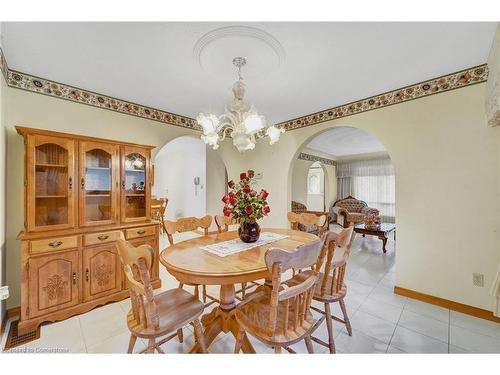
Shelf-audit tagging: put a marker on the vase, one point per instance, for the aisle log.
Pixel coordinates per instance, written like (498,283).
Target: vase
(249,231)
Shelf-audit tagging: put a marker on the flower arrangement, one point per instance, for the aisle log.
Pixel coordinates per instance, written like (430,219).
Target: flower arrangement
(242,202)
(372,220)
(246,206)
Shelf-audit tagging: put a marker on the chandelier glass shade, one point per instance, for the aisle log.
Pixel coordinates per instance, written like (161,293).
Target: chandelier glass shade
(240,122)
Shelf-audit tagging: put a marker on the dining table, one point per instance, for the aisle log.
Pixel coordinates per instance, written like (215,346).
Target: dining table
(190,263)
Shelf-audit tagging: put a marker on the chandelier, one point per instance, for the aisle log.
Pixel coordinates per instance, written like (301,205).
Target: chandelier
(244,125)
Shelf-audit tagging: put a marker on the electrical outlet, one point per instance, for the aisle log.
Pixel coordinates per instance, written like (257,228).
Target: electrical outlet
(478,279)
(4,292)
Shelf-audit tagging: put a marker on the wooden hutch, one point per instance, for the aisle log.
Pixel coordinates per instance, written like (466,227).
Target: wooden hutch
(80,194)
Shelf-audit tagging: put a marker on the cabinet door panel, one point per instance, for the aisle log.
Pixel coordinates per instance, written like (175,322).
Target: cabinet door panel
(103,273)
(50,183)
(98,180)
(53,282)
(136,184)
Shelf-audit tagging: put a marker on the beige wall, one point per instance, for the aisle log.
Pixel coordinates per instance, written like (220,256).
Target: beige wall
(216,184)
(447,167)
(39,111)
(3,151)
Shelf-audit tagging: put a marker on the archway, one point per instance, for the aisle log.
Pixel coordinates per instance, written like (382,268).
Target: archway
(191,176)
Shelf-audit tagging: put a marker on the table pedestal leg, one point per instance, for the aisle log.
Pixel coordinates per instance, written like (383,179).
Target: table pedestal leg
(221,319)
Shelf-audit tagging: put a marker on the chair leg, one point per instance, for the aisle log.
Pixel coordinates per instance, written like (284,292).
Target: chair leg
(239,340)
(277,349)
(151,346)
(309,344)
(200,337)
(243,290)
(181,285)
(329,325)
(131,343)
(346,318)
(180,335)
(204,294)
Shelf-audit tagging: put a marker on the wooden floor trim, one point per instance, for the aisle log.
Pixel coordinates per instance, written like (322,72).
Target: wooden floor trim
(452,305)
(9,313)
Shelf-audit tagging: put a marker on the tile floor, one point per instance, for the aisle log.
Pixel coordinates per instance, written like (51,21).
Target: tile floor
(382,321)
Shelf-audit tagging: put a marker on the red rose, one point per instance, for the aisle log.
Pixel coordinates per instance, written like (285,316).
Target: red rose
(231,194)
(226,211)
(225,199)
(251,173)
(264,194)
(243,176)
(246,189)
(253,193)
(266,210)
(231,184)
(233,201)
(248,210)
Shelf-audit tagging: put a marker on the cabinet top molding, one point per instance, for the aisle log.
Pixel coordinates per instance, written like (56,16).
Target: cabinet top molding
(23,130)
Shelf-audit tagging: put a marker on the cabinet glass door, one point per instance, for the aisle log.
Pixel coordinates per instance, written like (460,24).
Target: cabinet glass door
(98,183)
(50,183)
(135,186)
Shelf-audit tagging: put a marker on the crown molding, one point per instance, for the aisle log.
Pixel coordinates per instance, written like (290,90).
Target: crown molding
(314,158)
(463,78)
(460,79)
(59,90)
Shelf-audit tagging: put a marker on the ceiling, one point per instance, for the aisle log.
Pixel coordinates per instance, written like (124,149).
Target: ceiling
(293,68)
(342,142)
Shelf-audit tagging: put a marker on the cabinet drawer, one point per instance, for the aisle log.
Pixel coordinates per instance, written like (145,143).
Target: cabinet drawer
(101,237)
(51,244)
(140,232)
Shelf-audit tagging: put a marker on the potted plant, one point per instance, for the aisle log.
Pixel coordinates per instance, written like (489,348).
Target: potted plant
(246,205)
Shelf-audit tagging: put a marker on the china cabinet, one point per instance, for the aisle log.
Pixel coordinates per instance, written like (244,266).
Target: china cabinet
(81,194)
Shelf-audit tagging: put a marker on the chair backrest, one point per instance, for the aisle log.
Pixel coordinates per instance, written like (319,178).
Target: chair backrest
(158,206)
(351,204)
(299,220)
(298,207)
(136,263)
(297,297)
(223,222)
(187,224)
(332,279)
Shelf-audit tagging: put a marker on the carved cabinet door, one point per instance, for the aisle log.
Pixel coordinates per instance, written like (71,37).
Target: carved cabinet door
(53,282)
(102,272)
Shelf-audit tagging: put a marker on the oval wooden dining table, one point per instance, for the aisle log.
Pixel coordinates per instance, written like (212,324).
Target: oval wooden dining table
(190,264)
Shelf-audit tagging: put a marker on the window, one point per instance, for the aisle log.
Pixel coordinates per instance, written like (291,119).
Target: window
(314,183)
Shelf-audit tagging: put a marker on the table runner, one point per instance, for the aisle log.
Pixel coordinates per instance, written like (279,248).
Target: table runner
(236,245)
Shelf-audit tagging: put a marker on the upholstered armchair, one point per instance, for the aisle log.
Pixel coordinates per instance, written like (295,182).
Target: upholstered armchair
(350,210)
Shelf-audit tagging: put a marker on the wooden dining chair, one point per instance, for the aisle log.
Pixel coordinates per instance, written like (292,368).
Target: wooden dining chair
(308,222)
(155,316)
(189,224)
(330,287)
(158,210)
(281,316)
(223,223)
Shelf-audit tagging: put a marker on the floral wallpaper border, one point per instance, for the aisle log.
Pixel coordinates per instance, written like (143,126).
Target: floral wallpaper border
(313,158)
(437,85)
(463,78)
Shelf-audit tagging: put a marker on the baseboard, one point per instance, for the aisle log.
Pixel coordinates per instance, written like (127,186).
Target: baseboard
(9,313)
(452,305)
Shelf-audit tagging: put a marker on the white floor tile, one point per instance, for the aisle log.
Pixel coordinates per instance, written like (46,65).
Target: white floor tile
(372,326)
(474,324)
(427,309)
(359,343)
(117,344)
(424,325)
(387,312)
(414,342)
(61,337)
(472,341)
(99,327)
(394,350)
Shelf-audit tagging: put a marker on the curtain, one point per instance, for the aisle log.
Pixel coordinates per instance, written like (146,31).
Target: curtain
(370,180)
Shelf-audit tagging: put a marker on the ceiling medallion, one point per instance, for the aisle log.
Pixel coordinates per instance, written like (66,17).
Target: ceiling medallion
(241,123)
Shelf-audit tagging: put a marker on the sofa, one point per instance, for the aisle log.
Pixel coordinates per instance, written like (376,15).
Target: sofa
(350,211)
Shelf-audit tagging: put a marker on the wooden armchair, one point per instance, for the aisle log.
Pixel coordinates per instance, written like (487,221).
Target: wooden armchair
(281,317)
(308,222)
(330,287)
(223,223)
(188,224)
(151,316)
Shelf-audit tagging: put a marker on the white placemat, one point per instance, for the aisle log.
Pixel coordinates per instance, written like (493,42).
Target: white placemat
(231,247)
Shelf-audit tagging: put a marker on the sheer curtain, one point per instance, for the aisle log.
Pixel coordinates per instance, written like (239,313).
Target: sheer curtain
(370,180)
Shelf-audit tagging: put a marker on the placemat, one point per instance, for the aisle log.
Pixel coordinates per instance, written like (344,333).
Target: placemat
(231,247)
